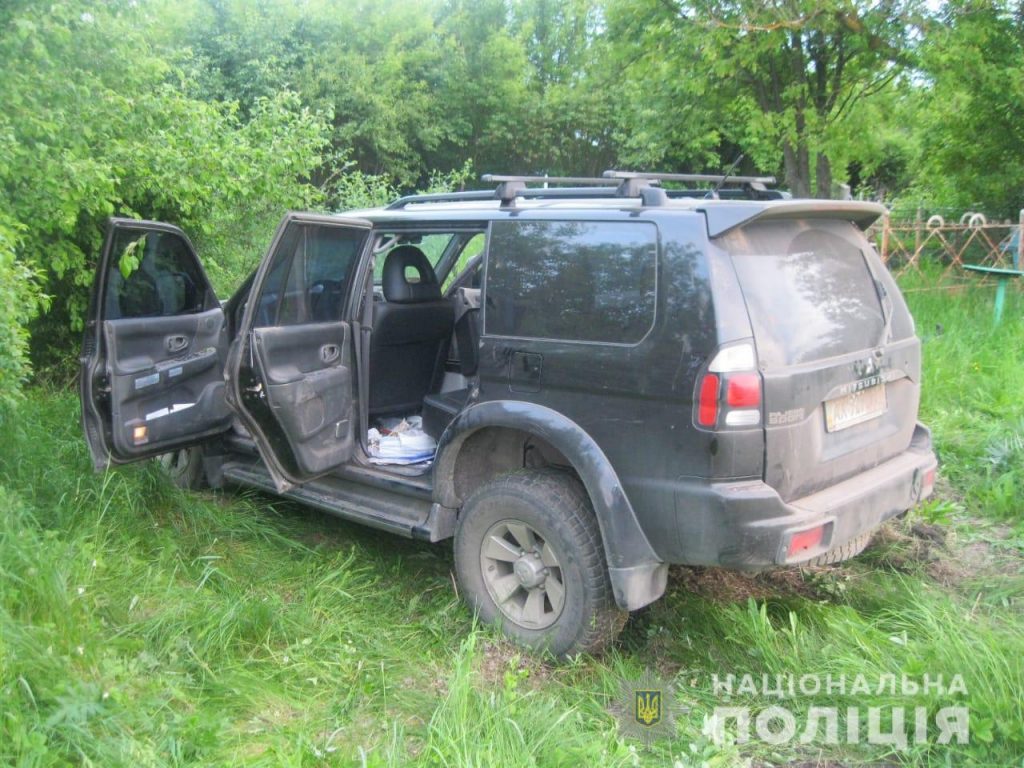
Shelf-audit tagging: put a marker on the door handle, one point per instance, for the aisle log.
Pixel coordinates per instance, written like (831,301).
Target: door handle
(329,353)
(176,343)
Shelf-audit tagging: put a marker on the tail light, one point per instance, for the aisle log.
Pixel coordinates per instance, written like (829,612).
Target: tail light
(707,403)
(729,393)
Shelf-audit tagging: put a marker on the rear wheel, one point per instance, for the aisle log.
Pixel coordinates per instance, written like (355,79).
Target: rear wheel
(184,467)
(529,558)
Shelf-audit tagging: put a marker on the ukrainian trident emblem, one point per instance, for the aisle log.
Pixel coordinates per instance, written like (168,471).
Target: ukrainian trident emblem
(646,709)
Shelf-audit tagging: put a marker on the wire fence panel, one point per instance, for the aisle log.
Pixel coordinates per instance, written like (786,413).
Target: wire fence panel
(907,245)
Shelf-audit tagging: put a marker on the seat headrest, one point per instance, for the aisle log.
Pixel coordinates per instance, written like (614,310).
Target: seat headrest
(397,288)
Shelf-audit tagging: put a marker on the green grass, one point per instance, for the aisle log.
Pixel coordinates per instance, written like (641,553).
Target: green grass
(140,625)
(973,397)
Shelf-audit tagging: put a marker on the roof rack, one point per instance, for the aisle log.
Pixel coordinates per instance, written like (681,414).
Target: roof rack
(693,178)
(441,197)
(611,184)
(552,193)
(511,187)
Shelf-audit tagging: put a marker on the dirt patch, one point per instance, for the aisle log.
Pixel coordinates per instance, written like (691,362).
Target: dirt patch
(966,563)
(721,585)
(317,539)
(904,545)
(907,546)
(947,556)
(994,556)
(500,658)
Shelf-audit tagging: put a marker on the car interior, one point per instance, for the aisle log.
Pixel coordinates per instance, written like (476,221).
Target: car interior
(425,337)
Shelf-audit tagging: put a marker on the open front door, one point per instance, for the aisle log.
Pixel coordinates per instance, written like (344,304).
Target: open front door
(154,347)
(290,372)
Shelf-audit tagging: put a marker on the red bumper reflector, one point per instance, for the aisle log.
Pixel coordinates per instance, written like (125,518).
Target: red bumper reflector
(929,478)
(707,407)
(743,390)
(802,540)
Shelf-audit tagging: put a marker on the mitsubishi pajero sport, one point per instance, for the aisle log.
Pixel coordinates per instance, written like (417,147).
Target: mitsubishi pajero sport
(581,384)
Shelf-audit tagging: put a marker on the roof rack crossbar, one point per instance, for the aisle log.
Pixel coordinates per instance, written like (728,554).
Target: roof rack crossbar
(613,183)
(511,187)
(575,180)
(693,178)
(441,197)
(528,193)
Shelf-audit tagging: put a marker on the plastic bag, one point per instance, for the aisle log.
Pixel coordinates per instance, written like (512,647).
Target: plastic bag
(401,441)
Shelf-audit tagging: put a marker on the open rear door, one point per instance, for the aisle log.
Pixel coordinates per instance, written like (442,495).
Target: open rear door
(154,347)
(290,369)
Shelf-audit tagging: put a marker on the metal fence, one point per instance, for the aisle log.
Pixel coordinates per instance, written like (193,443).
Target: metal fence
(907,245)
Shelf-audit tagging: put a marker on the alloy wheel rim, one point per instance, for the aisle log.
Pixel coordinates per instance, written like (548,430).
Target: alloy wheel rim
(523,574)
(175,462)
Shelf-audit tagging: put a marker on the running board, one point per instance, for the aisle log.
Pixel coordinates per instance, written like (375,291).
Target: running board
(399,513)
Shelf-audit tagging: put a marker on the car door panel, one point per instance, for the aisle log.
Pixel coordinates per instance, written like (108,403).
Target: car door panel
(154,347)
(290,373)
(308,378)
(172,389)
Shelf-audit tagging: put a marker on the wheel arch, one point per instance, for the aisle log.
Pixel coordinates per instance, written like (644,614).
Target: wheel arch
(638,577)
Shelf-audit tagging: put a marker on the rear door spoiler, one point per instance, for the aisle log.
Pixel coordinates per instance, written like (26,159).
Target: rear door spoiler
(723,217)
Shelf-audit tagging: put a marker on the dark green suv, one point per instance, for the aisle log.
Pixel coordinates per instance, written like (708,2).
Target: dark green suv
(581,384)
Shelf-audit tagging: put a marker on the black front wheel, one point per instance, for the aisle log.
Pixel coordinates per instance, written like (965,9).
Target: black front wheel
(184,467)
(529,558)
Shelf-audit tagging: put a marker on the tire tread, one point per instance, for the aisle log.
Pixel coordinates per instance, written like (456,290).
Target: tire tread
(850,549)
(557,489)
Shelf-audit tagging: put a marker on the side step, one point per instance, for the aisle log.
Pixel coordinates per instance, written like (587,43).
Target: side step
(415,518)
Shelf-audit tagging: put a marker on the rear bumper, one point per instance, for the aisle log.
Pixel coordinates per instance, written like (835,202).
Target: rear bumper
(746,525)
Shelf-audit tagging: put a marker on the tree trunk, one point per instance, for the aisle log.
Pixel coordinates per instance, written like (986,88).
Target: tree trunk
(823,176)
(795,161)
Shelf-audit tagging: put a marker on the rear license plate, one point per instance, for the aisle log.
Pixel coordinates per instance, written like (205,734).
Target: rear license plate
(855,408)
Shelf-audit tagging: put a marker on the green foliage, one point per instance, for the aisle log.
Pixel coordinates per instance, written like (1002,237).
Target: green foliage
(99,122)
(416,87)
(373,69)
(974,61)
(21,297)
(973,389)
(791,84)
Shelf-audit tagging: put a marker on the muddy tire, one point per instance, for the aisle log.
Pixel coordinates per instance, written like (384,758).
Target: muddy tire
(184,467)
(852,548)
(529,559)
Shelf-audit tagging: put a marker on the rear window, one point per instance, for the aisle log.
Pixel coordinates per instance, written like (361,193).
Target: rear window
(808,288)
(571,280)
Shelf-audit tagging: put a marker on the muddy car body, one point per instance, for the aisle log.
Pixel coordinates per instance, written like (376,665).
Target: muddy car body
(617,378)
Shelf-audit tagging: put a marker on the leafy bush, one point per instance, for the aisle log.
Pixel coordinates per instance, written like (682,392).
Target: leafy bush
(20,298)
(100,122)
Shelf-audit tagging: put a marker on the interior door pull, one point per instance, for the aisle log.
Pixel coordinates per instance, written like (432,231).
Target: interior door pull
(176,343)
(329,353)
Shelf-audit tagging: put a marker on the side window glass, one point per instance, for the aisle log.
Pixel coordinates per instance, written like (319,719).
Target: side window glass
(273,291)
(152,274)
(571,280)
(470,251)
(309,276)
